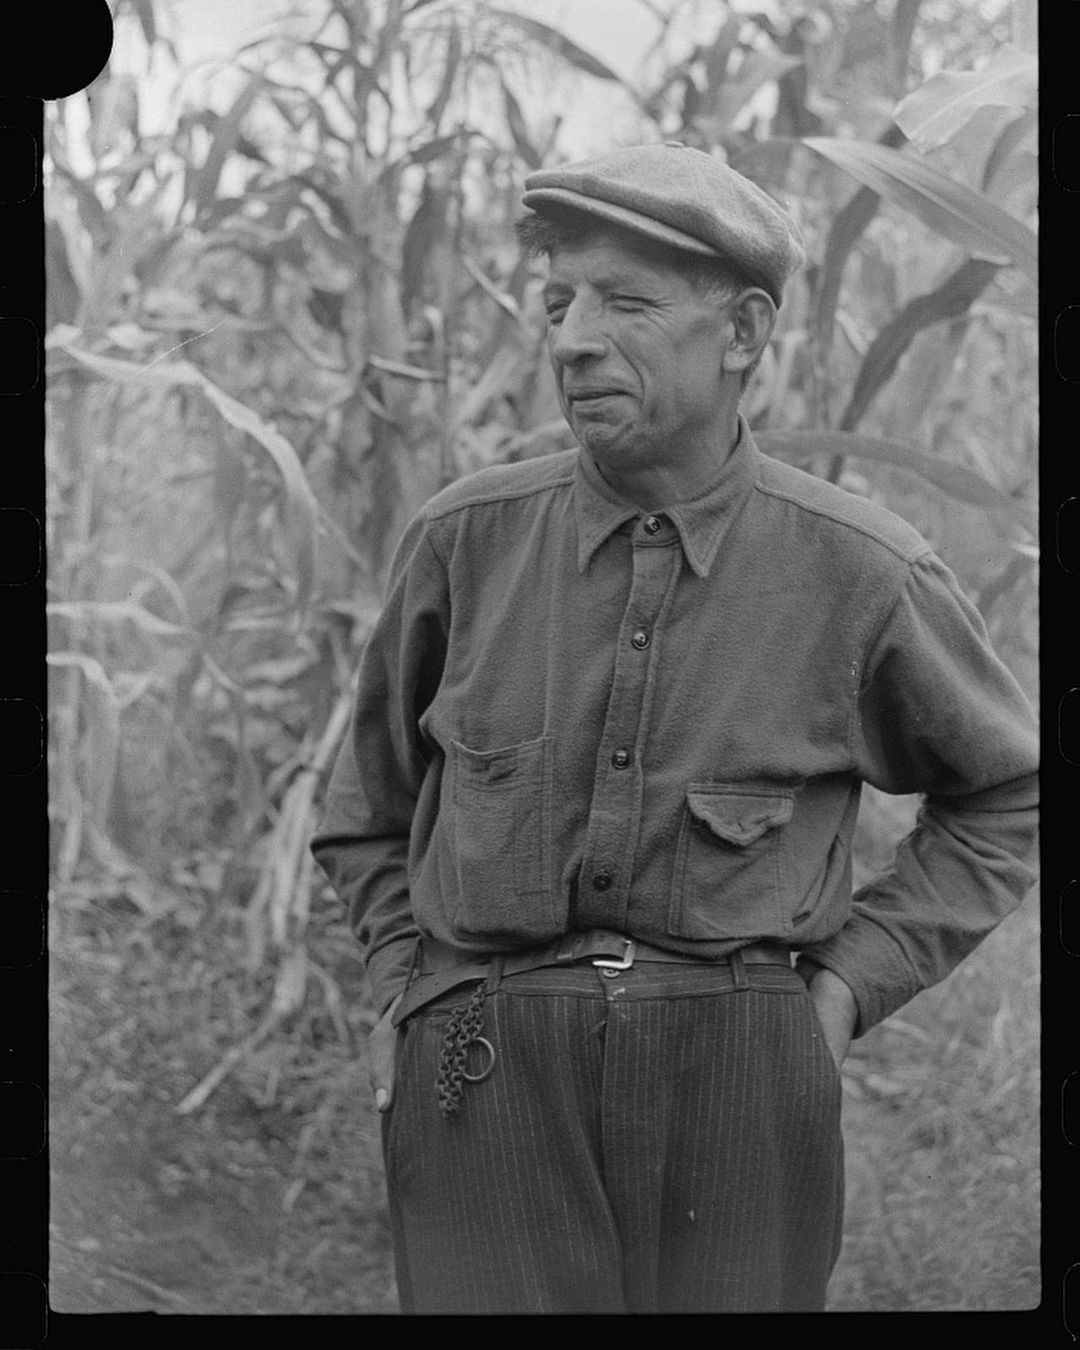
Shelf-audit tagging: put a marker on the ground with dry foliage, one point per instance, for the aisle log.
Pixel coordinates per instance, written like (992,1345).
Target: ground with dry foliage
(269,1197)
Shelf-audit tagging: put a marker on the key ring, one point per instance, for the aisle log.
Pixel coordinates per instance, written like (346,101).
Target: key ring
(485,1072)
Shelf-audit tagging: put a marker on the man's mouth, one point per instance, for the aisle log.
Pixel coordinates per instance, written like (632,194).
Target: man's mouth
(578,397)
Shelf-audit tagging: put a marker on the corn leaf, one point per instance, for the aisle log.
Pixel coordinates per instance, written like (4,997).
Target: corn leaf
(955,480)
(503,299)
(92,215)
(101,717)
(300,498)
(1025,558)
(446,85)
(758,68)
(405,371)
(164,580)
(226,133)
(560,45)
(91,668)
(847,228)
(950,208)
(144,9)
(439,148)
(932,114)
(950,300)
(1018,135)
(901,31)
(230,485)
(718,57)
(519,130)
(117,611)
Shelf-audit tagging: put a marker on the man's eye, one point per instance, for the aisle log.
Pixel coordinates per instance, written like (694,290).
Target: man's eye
(628,301)
(555,310)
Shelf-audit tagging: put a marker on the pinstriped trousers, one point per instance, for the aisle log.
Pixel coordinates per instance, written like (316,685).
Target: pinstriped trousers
(659,1139)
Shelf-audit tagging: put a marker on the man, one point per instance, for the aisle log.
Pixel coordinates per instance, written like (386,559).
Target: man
(600,791)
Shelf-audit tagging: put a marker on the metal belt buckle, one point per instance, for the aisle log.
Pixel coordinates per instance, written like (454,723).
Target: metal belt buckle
(618,963)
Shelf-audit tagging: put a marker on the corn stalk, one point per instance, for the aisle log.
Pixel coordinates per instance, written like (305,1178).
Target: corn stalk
(281,903)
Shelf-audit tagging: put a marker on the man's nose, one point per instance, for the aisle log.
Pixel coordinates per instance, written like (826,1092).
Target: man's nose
(578,335)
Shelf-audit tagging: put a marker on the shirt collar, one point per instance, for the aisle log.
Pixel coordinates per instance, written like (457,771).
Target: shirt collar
(701,523)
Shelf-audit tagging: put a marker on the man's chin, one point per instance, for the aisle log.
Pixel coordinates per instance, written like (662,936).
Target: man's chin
(600,439)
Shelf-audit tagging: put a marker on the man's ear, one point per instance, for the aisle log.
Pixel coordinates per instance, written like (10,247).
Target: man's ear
(753,314)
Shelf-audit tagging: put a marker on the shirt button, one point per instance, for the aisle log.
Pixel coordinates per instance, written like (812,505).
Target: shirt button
(652,524)
(601,881)
(640,639)
(620,759)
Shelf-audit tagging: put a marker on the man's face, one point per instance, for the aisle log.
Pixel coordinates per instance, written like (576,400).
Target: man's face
(636,352)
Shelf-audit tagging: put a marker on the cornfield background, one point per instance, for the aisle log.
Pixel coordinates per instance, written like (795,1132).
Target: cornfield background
(279,325)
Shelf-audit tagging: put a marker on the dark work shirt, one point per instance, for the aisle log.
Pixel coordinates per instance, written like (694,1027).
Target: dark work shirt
(572,714)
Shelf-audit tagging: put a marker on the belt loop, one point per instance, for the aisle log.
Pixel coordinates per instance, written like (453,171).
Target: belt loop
(495,974)
(738,970)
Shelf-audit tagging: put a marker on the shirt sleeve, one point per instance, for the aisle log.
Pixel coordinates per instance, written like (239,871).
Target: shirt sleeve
(362,842)
(940,715)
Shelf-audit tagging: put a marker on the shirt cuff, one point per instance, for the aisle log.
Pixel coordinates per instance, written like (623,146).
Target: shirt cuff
(870,963)
(388,970)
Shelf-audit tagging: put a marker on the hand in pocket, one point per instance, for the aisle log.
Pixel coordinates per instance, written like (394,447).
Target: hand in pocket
(381,1046)
(835,1006)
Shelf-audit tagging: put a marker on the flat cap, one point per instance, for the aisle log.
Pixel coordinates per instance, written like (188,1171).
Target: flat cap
(681,197)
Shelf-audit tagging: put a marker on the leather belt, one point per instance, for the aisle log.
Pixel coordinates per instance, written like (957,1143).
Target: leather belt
(439,967)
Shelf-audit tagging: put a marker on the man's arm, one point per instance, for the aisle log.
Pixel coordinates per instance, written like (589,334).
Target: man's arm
(362,842)
(938,714)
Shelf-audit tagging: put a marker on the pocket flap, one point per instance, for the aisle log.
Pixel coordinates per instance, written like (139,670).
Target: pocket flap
(739,817)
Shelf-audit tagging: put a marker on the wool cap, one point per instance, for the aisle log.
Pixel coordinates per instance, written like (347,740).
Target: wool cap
(681,197)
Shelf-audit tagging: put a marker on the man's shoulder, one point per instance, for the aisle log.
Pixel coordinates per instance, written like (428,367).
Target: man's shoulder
(504,483)
(838,511)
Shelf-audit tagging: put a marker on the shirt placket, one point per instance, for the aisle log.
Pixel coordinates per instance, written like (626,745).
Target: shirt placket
(615,808)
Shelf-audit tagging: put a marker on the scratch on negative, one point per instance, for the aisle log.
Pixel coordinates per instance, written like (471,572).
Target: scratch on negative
(194,338)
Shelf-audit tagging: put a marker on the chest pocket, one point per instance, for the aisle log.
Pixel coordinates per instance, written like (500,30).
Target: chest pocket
(501,841)
(729,863)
